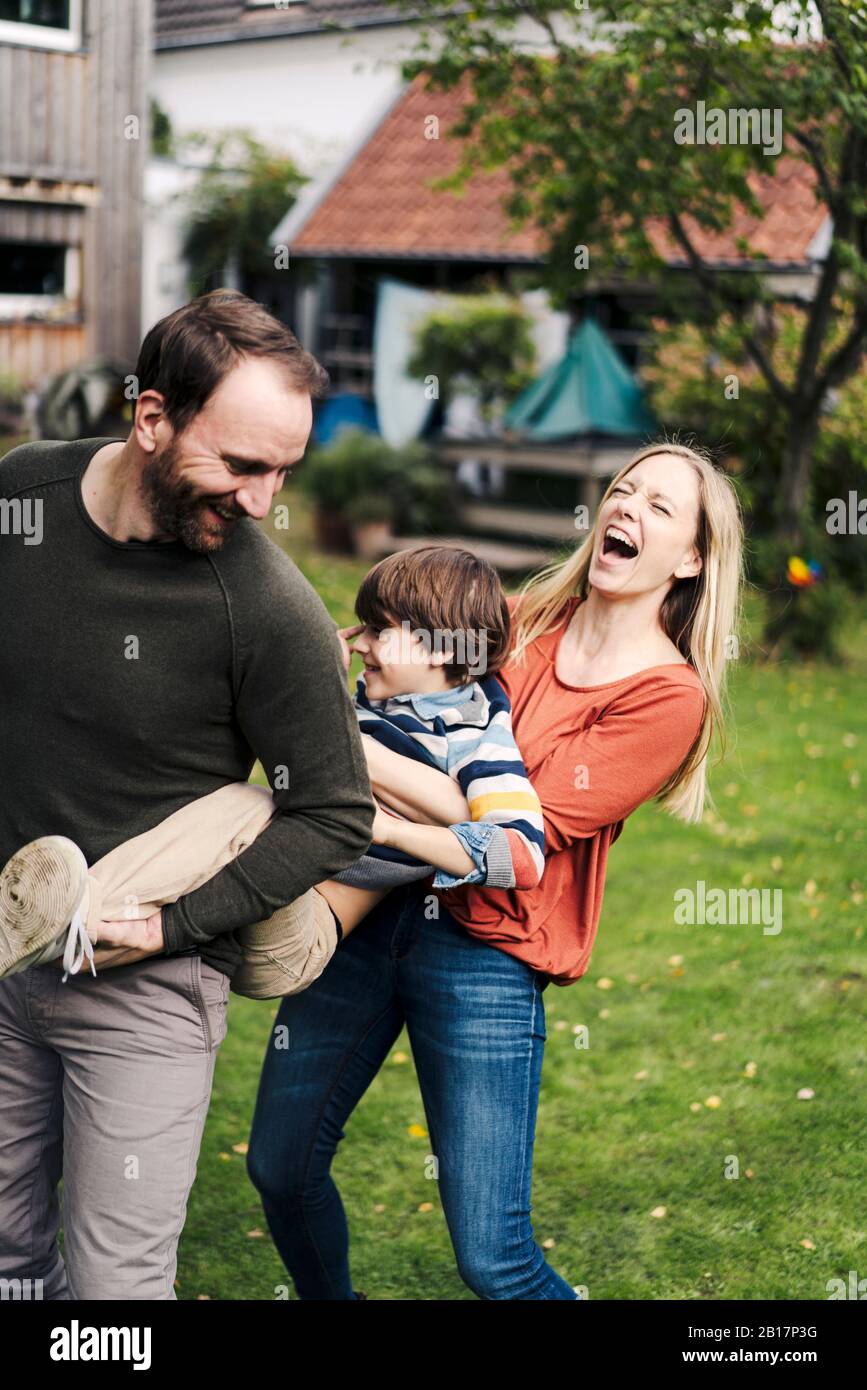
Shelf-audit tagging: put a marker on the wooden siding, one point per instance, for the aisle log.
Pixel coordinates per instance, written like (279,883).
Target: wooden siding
(42,223)
(63,117)
(46,118)
(33,351)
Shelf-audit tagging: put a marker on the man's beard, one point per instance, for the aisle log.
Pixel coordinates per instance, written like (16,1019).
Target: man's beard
(179,510)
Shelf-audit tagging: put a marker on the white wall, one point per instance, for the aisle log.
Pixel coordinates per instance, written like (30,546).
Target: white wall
(306,94)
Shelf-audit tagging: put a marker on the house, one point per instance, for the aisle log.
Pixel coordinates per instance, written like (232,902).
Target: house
(73,145)
(305,77)
(377,217)
(376,228)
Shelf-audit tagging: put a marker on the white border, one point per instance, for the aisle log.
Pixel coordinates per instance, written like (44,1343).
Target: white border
(12,31)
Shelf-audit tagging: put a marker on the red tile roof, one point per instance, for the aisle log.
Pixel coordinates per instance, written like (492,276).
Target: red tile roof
(382,205)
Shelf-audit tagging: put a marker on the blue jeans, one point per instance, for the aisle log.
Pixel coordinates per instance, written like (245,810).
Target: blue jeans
(476,1023)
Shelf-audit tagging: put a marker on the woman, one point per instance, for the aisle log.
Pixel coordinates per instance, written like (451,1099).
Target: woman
(615,681)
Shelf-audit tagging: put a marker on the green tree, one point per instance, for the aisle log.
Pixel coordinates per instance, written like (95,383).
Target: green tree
(482,342)
(244,190)
(587,134)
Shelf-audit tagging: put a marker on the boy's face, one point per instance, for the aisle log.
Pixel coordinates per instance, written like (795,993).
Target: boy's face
(398,661)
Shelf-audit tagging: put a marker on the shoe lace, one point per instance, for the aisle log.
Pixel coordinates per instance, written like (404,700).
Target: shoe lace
(78,946)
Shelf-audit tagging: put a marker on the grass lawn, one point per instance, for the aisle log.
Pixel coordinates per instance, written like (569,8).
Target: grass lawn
(700,1039)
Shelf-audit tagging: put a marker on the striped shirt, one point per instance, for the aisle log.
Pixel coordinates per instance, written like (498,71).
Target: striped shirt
(466,732)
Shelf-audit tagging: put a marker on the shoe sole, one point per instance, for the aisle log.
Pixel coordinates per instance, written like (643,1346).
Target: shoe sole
(40,889)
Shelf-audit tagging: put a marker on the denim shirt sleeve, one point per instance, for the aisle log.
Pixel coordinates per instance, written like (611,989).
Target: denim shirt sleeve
(475,836)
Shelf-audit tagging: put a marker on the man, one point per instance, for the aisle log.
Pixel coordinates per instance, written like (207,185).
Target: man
(153,643)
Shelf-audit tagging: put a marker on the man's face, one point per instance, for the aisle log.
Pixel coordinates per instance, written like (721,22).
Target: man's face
(232,458)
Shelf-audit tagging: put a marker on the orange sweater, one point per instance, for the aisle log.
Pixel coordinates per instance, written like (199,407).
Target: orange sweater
(593,755)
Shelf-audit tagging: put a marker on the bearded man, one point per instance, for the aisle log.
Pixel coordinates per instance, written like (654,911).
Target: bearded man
(153,644)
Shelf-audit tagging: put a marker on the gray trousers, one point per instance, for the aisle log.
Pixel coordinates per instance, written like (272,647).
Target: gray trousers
(104,1082)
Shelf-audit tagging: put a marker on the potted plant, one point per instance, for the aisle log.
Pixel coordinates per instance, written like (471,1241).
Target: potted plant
(371,520)
(333,475)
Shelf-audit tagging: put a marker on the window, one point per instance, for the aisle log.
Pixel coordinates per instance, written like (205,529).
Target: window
(41,23)
(38,280)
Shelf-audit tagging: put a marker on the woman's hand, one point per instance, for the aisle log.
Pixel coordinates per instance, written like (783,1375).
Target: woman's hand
(419,792)
(383,826)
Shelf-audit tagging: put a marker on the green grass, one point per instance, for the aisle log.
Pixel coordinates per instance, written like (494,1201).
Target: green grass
(612,1145)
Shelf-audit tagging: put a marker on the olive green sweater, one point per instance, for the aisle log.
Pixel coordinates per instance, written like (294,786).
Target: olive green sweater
(137,676)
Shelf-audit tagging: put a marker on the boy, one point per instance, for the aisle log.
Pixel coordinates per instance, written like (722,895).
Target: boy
(434,628)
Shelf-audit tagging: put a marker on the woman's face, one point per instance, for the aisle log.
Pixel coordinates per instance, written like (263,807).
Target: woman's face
(646,530)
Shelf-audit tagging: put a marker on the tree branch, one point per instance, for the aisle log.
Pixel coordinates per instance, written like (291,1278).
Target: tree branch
(714,297)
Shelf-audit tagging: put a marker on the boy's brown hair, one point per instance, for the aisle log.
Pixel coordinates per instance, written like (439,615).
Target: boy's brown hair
(442,589)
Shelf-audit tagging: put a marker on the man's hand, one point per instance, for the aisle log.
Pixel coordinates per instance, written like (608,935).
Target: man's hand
(123,943)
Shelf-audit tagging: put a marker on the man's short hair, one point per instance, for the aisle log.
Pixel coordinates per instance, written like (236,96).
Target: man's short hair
(187,354)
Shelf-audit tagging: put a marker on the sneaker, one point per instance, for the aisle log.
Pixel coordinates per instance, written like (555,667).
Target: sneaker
(41,893)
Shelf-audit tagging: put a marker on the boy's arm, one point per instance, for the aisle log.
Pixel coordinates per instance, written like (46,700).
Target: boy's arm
(432,844)
(505,833)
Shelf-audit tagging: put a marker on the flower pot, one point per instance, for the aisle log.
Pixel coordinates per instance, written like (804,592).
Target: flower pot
(332,532)
(372,539)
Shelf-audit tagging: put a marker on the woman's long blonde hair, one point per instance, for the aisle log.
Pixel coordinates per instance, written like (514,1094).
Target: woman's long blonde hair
(700,614)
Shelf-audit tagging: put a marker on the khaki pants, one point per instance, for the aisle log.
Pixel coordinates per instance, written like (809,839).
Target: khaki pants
(282,955)
(105,1082)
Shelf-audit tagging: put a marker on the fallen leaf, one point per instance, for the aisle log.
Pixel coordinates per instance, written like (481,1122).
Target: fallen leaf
(805,1093)
(713,1102)
(417,1132)
(659,1212)
(750,1069)
(426,1206)
(240,1148)
(398,1057)
(548,1244)
(604,983)
(807,1244)
(255,1234)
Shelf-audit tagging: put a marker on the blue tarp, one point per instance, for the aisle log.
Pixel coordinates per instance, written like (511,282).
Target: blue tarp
(341,412)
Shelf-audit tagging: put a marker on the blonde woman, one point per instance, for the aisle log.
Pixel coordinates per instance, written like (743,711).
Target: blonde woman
(615,680)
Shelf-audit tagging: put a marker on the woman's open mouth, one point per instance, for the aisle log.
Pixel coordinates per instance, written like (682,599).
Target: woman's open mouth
(617,545)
